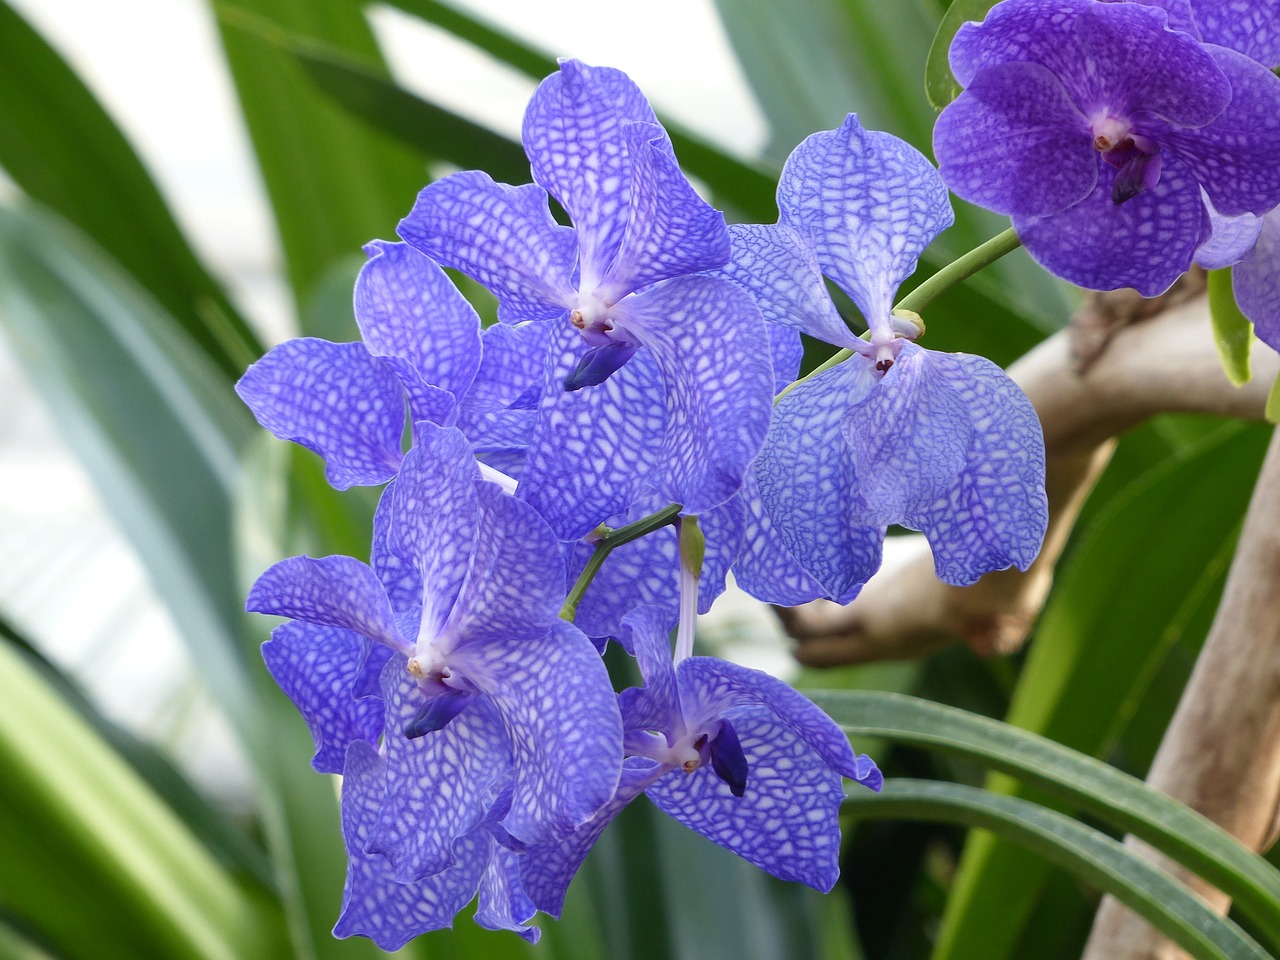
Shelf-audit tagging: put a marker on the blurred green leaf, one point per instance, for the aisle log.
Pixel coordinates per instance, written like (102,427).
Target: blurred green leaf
(940,83)
(1109,794)
(333,182)
(1273,402)
(60,146)
(1232,331)
(1092,856)
(1122,599)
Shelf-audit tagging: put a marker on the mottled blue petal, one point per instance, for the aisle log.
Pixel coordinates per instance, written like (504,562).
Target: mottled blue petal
(779,268)
(547,869)
(593,449)
(503,903)
(334,399)
(334,591)
(407,307)
(671,231)
(787,822)
(787,350)
(439,786)
(1256,279)
(1250,26)
(1040,31)
(574,136)
(561,715)
(374,903)
(765,568)
(948,444)
(502,236)
(1014,142)
(316,667)
(499,412)
(647,571)
(515,584)
(656,705)
(869,204)
(435,517)
(1159,231)
(1231,239)
(805,474)
(712,347)
(1234,157)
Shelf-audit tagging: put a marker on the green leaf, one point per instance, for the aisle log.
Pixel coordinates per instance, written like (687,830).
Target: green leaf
(84,838)
(1092,856)
(1107,793)
(939,82)
(61,147)
(1232,331)
(1273,402)
(1123,598)
(334,184)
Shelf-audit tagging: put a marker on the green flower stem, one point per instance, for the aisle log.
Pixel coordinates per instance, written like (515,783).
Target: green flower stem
(953,273)
(604,546)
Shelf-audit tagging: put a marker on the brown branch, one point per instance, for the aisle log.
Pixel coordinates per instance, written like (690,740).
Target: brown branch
(1104,375)
(1221,753)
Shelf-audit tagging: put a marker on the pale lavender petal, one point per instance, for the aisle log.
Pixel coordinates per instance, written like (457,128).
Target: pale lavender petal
(805,474)
(671,231)
(593,449)
(1014,142)
(710,687)
(434,517)
(374,903)
(779,268)
(334,399)
(712,347)
(502,236)
(407,307)
(647,571)
(787,822)
(441,785)
(765,568)
(868,203)
(1234,157)
(986,511)
(1250,26)
(503,903)
(316,667)
(1159,230)
(560,712)
(574,136)
(1256,280)
(1231,239)
(515,583)
(334,591)
(547,869)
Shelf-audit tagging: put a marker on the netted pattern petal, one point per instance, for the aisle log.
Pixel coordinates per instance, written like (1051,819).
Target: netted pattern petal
(502,236)
(1231,239)
(765,568)
(1250,26)
(334,399)
(503,903)
(868,203)
(1257,282)
(316,667)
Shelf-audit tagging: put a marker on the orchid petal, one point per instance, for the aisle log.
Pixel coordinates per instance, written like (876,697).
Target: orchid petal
(765,568)
(1256,280)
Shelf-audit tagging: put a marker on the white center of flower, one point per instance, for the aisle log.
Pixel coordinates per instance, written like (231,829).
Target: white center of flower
(1108,132)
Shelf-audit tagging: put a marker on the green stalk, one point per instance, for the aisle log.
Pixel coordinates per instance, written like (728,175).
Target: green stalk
(953,273)
(614,538)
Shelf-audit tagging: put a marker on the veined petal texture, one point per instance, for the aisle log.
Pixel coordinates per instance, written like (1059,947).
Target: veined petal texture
(407,307)
(439,786)
(574,135)
(374,903)
(503,903)
(502,236)
(1231,239)
(1251,27)
(1256,280)
(868,203)
(765,568)
(981,505)
(316,667)
(712,347)
(336,400)
(807,482)
(560,713)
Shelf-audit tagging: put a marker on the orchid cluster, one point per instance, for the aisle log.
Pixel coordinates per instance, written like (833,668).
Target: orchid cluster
(591,468)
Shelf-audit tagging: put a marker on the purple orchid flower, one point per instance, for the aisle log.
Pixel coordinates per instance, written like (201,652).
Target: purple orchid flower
(733,754)
(482,684)
(422,345)
(1096,127)
(938,442)
(656,376)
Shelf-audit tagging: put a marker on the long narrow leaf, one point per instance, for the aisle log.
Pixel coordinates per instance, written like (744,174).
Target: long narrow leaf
(1088,854)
